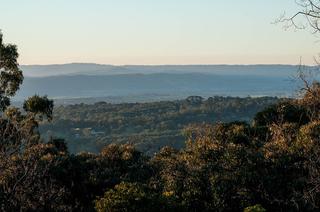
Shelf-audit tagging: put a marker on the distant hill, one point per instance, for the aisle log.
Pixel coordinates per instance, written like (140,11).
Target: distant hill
(149,83)
(98,69)
(149,126)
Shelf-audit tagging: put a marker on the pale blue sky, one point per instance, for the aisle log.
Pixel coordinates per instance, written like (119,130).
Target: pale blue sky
(154,32)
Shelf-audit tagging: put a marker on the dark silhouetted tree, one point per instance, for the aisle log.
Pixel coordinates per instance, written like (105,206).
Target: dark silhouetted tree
(10,75)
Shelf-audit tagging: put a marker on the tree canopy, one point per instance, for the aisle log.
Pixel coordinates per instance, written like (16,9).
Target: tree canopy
(10,75)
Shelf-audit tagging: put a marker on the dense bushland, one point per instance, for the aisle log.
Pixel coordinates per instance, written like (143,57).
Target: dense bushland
(272,163)
(148,126)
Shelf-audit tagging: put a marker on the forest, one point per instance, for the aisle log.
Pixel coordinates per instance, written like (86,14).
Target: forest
(148,126)
(238,154)
(268,164)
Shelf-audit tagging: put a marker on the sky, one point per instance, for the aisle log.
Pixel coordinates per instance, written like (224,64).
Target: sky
(155,32)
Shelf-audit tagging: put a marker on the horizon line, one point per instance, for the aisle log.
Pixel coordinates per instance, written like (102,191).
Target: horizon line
(194,64)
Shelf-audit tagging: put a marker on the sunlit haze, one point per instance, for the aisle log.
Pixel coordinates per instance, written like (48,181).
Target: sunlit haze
(154,32)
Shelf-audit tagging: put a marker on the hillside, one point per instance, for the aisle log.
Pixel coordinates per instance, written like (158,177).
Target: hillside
(149,126)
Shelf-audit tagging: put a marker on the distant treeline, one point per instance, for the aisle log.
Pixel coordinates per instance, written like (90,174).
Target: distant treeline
(149,126)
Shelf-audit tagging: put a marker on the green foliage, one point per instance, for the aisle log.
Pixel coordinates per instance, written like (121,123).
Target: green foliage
(127,197)
(26,180)
(255,208)
(10,75)
(41,106)
(149,126)
(281,113)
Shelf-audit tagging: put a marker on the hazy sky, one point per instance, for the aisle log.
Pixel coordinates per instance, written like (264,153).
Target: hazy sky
(154,32)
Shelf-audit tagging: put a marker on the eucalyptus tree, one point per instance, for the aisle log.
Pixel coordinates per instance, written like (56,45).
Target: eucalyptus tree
(10,74)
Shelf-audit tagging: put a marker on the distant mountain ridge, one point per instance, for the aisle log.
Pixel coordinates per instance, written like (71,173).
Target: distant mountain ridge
(166,82)
(100,69)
